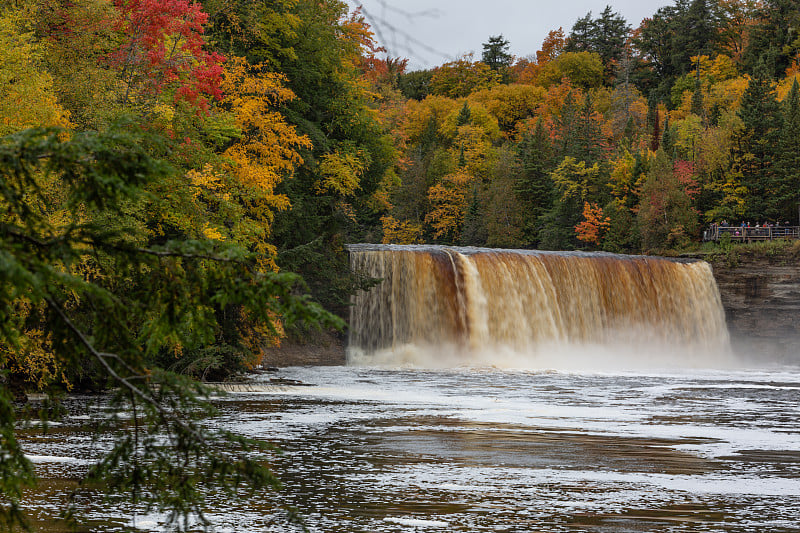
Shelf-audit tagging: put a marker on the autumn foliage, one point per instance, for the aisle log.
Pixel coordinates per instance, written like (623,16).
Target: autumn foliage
(593,225)
(290,131)
(164,49)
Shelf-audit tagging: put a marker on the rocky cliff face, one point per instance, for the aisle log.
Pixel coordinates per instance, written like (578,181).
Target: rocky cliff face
(761,296)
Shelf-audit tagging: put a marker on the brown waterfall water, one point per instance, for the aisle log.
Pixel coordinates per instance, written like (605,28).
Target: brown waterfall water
(468,301)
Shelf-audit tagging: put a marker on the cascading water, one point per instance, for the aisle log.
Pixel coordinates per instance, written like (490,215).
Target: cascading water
(475,300)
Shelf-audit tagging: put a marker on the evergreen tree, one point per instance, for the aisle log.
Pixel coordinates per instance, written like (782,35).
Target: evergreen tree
(150,299)
(533,186)
(668,138)
(575,183)
(473,232)
(429,140)
(756,146)
(462,158)
(610,33)
(630,131)
(622,235)
(697,99)
(774,40)
(787,163)
(463,117)
(415,85)
(566,125)
(589,140)
(604,36)
(674,34)
(581,37)
(495,54)
(695,34)
(653,123)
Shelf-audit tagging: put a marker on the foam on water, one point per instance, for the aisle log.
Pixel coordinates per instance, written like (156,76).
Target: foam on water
(468,449)
(567,356)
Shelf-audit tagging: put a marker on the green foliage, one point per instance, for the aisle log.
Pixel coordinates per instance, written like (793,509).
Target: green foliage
(622,235)
(534,187)
(575,183)
(473,232)
(666,216)
(495,54)
(787,159)
(774,39)
(754,155)
(460,78)
(507,219)
(605,36)
(589,141)
(415,85)
(582,69)
(16,471)
(463,117)
(112,299)
(319,49)
(674,34)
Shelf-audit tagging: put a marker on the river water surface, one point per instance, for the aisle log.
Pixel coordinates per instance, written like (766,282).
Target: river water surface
(483,449)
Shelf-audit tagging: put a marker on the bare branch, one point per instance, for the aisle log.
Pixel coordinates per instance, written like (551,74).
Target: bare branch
(410,44)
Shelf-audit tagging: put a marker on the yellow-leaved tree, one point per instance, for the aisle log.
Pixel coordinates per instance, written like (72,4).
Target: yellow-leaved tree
(265,152)
(27,98)
(450,200)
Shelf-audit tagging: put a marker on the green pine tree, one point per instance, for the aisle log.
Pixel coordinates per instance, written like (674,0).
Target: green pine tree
(534,187)
(464,115)
(589,140)
(756,146)
(496,56)
(787,161)
(473,232)
(566,126)
(150,299)
(668,137)
(653,125)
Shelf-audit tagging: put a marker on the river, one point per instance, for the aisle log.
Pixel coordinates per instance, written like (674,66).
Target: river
(486,449)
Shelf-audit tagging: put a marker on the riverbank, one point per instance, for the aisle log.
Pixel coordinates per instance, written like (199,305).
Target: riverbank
(312,348)
(759,286)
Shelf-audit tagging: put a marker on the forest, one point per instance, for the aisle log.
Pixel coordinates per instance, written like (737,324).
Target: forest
(282,130)
(177,175)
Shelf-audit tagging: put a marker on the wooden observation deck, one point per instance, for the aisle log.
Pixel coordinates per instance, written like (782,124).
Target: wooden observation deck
(750,234)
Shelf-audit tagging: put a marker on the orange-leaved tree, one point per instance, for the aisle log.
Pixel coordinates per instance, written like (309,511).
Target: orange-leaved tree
(593,225)
(266,150)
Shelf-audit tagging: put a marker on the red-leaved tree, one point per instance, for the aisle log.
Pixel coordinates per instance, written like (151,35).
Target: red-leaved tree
(163,50)
(684,171)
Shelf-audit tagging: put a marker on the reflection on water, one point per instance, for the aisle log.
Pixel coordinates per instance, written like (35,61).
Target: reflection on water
(389,450)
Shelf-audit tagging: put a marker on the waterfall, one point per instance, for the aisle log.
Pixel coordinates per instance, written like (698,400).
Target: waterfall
(476,300)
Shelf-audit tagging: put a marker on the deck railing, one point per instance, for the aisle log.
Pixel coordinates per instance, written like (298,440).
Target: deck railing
(750,234)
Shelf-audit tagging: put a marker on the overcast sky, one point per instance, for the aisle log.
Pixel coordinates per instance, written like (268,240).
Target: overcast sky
(431,32)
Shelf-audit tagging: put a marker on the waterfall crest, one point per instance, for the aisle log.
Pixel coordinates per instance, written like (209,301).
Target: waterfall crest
(482,299)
